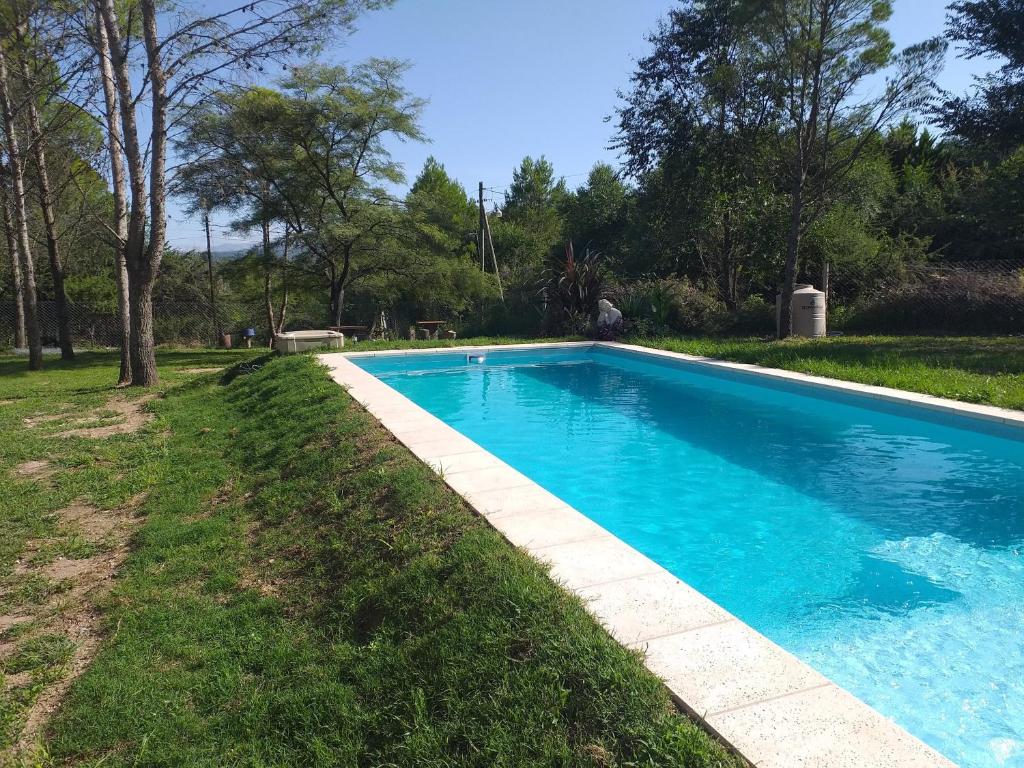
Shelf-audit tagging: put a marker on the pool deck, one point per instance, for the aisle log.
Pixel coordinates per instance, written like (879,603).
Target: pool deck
(769,706)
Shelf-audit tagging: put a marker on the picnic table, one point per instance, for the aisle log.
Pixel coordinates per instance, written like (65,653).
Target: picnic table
(354,331)
(430,328)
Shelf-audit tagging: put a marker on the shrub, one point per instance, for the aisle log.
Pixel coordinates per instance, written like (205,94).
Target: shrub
(756,315)
(669,305)
(572,286)
(961,302)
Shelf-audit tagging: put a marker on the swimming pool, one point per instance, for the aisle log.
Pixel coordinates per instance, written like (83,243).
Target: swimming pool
(879,542)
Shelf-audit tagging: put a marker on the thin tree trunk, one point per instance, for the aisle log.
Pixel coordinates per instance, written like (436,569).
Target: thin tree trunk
(284,286)
(38,145)
(337,301)
(117,174)
(283,310)
(19,288)
(268,301)
(35,346)
(209,273)
(268,263)
(144,360)
(792,253)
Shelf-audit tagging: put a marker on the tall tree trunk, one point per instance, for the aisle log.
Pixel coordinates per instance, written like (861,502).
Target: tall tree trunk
(19,286)
(142,259)
(145,372)
(38,145)
(117,174)
(35,346)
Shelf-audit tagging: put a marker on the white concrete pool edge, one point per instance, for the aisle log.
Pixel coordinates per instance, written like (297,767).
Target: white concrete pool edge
(764,702)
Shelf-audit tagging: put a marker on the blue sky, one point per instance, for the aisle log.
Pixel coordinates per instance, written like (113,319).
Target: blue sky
(531,77)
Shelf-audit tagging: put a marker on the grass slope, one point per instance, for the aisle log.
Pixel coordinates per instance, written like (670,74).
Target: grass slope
(302,591)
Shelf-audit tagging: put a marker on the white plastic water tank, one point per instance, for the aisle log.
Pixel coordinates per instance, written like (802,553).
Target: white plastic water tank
(809,311)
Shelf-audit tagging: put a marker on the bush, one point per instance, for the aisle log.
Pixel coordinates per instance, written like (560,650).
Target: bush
(756,315)
(669,305)
(963,302)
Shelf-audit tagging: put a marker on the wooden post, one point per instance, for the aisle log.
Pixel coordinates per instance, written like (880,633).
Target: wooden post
(824,280)
(494,257)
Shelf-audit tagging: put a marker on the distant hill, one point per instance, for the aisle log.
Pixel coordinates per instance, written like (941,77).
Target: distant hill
(227,252)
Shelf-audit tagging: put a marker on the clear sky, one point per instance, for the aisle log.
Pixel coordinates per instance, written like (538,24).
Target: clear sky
(530,77)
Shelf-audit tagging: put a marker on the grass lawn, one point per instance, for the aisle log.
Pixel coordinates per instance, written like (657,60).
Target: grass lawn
(975,369)
(258,575)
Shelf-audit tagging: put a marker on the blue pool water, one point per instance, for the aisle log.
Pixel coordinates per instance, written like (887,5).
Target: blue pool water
(882,544)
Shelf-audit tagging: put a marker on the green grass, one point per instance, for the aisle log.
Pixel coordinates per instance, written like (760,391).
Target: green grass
(974,369)
(302,591)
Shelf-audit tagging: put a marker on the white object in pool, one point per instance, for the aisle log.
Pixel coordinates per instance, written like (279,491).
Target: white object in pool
(297,341)
(477,358)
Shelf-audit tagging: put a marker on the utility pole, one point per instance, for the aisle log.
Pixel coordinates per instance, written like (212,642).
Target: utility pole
(480,245)
(483,240)
(209,270)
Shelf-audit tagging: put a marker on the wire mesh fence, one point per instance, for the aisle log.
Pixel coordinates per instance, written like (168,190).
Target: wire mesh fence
(936,297)
(976,297)
(174,322)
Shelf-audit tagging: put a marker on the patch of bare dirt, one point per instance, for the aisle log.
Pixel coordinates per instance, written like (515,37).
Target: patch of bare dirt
(85,634)
(34,470)
(96,524)
(267,588)
(19,680)
(72,613)
(132,416)
(40,417)
(12,620)
(200,370)
(35,421)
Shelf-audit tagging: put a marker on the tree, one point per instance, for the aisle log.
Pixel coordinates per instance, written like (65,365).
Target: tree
(115,151)
(820,54)
(229,168)
(35,82)
(443,219)
(16,170)
(534,207)
(993,116)
(599,214)
(17,282)
(699,132)
(321,149)
(179,62)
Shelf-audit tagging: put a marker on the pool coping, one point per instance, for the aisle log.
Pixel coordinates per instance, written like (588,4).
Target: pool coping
(770,707)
